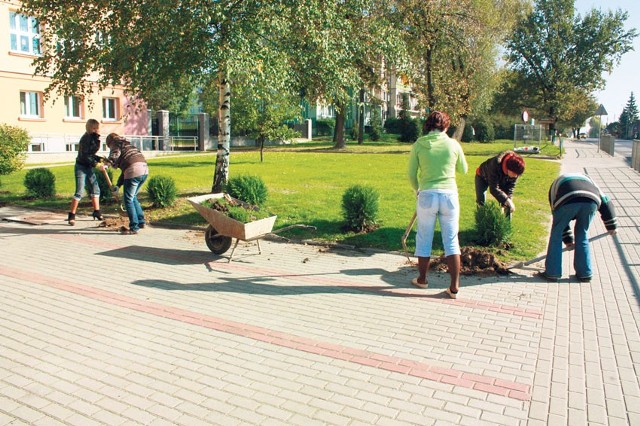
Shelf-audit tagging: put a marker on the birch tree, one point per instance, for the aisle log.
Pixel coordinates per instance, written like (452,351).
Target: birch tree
(143,44)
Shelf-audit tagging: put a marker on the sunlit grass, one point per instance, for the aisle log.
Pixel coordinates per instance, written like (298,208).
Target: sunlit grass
(306,182)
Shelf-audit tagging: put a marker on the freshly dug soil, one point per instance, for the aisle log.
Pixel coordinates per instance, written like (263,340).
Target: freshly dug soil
(115,222)
(474,262)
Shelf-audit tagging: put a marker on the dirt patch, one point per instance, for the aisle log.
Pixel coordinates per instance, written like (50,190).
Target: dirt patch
(474,262)
(115,222)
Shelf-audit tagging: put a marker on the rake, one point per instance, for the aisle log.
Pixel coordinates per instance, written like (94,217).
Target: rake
(406,234)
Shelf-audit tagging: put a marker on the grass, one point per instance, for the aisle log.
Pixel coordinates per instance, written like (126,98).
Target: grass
(306,182)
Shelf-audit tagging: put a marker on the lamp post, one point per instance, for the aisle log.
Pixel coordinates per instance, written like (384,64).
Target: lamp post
(600,112)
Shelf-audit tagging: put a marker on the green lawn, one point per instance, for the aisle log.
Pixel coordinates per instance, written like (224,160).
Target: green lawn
(306,182)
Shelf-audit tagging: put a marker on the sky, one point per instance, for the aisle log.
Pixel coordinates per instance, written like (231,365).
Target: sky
(625,77)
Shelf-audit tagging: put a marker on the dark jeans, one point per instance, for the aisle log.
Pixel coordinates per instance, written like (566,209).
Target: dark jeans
(481,187)
(131,203)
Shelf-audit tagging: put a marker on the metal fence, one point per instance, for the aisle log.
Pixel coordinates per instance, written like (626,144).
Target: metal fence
(526,134)
(61,143)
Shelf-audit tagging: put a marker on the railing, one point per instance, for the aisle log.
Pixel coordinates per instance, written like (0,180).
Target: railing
(60,143)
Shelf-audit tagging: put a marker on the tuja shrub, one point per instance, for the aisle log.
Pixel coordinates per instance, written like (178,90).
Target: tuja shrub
(250,189)
(162,191)
(492,226)
(40,183)
(360,207)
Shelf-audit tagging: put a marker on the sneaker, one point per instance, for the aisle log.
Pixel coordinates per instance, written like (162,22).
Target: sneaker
(584,279)
(141,226)
(419,285)
(451,293)
(543,275)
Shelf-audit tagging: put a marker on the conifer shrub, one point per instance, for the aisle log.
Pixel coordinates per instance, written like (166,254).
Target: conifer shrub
(360,208)
(40,183)
(493,228)
(250,189)
(162,191)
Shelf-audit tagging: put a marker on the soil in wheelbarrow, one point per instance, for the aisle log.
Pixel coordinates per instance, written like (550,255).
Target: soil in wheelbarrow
(473,262)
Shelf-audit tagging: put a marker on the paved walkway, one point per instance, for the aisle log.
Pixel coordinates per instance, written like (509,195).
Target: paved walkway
(154,329)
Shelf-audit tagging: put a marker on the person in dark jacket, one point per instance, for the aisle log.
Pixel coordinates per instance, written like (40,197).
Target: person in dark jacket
(135,171)
(84,173)
(575,197)
(499,174)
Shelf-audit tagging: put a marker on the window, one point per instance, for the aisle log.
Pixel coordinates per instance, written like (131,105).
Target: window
(73,107)
(110,108)
(24,34)
(30,104)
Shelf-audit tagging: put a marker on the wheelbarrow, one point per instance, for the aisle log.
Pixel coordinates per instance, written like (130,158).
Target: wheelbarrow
(222,229)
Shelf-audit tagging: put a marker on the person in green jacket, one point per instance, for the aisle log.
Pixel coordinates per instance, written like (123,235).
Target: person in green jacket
(433,162)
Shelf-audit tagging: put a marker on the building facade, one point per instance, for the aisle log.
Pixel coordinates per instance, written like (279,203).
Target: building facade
(56,123)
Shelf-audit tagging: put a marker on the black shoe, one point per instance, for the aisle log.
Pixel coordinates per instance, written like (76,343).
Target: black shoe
(71,219)
(584,279)
(97,215)
(546,277)
(141,226)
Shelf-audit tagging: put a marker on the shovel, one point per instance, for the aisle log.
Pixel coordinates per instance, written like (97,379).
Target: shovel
(406,234)
(115,194)
(544,256)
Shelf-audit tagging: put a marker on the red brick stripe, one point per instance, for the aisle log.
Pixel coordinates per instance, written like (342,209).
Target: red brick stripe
(314,279)
(363,357)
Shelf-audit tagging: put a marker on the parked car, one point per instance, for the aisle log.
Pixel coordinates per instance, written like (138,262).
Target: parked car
(582,136)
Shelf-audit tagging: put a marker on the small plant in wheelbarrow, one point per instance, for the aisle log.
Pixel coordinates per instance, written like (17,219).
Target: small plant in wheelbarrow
(242,212)
(236,214)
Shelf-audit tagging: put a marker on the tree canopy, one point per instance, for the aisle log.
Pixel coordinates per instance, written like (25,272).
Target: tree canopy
(557,55)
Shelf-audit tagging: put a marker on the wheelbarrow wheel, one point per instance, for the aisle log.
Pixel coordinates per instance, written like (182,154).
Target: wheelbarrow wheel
(217,243)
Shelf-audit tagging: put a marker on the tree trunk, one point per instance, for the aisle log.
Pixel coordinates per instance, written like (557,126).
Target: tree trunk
(261,138)
(431,99)
(338,135)
(221,174)
(361,117)
(457,135)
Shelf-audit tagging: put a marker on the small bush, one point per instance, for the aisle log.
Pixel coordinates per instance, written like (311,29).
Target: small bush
(14,143)
(353,133)
(392,125)
(467,133)
(324,127)
(360,208)
(162,191)
(410,130)
(484,130)
(234,211)
(40,183)
(375,131)
(492,226)
(250,189)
